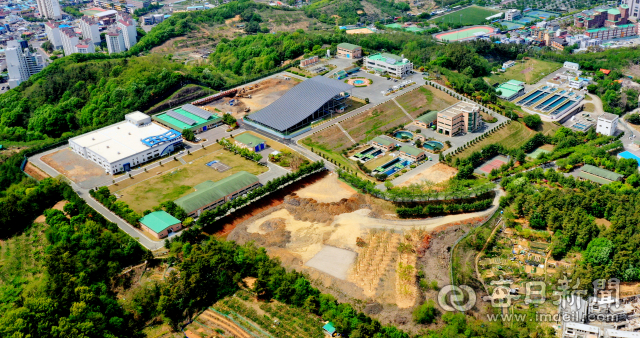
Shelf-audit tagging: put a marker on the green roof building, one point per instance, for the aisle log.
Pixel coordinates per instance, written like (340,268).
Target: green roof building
(391,64)
(510,90)
(412,153)
(249,141)
(349,51)
(383,143)
(329,328)
(209,194)
(160,223)
(426,120)
(188,117)
(599,175)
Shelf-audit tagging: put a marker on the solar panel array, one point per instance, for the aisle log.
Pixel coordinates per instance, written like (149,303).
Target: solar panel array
(181,117)
(197,111)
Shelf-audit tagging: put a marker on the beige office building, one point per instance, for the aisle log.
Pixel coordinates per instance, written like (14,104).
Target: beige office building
(460,118)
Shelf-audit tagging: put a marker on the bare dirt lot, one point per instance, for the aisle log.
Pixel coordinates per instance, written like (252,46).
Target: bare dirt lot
(437,173)
(58,206)
(262,95)
(359,234)
(35,172)
(327,190)
(75,167)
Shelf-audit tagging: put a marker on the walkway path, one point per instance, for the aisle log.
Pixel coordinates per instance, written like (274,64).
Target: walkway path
(403,110)
(345,132)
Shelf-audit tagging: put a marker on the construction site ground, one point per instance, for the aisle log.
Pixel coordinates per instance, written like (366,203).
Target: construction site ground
(324,224)
(437,173)
(262,95)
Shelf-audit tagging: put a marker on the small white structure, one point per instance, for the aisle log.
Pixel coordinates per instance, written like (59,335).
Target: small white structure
(123,145)
(571,65)
(580,330)
(508,64)
(607,124)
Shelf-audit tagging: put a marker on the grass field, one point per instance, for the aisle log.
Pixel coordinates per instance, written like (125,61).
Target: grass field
(529,71)
(514,135)
(473,15)
(21,261)
(179,182)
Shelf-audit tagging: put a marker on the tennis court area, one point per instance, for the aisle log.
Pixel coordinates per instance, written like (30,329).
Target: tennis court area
(219,166)
(536,153)
(511,25)
(465,33)
(494,163)
(540,14)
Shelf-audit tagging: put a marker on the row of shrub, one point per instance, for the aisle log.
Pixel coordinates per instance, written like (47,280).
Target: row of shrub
(443,209)
(120,208)
(246,153)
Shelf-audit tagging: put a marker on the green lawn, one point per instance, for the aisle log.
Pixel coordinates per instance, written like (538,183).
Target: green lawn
(473,15)
(529,71)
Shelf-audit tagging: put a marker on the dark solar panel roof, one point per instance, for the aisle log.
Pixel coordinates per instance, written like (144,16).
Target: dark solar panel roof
(181,117)
(299,103)
(197,111)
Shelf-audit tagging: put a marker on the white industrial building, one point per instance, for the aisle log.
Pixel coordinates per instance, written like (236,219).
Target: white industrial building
(607,124)
(124,145)
(90,29)
(49,9)
(115,42)
(385,63)
(21,64)
(52,29)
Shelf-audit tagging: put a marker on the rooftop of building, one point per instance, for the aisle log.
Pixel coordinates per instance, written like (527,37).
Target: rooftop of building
(158,221)
(189,116)
(608,117)
(601,29)
(413,151)
(428,117)
(119,140)
(459,108)
(106,13)
(249,139)
(348,46)
(391,59)
(598,175)
(208,192)
(383,140)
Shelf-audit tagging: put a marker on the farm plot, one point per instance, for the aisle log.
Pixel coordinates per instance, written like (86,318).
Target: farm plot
(243,316)
(473,15)
(179,182)
(406,290)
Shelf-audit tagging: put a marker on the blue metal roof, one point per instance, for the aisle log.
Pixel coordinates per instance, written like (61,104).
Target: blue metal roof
(169,136)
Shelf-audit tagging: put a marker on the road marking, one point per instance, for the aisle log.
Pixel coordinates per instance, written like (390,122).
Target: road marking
(404,111)
(345,132)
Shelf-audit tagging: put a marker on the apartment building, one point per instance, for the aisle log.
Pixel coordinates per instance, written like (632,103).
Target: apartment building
(115,42)
(128,27)
(49,9)
(633,7)
(21,63)
(69,40)
(85,46)
(90,29)
(512,14)
(52,29)
(460,118)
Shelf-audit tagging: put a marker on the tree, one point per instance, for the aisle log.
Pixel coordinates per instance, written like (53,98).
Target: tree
(532,121)
(599,251)
(425,313)
(537,221)
(633,118)
(465,172)
(188,135)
